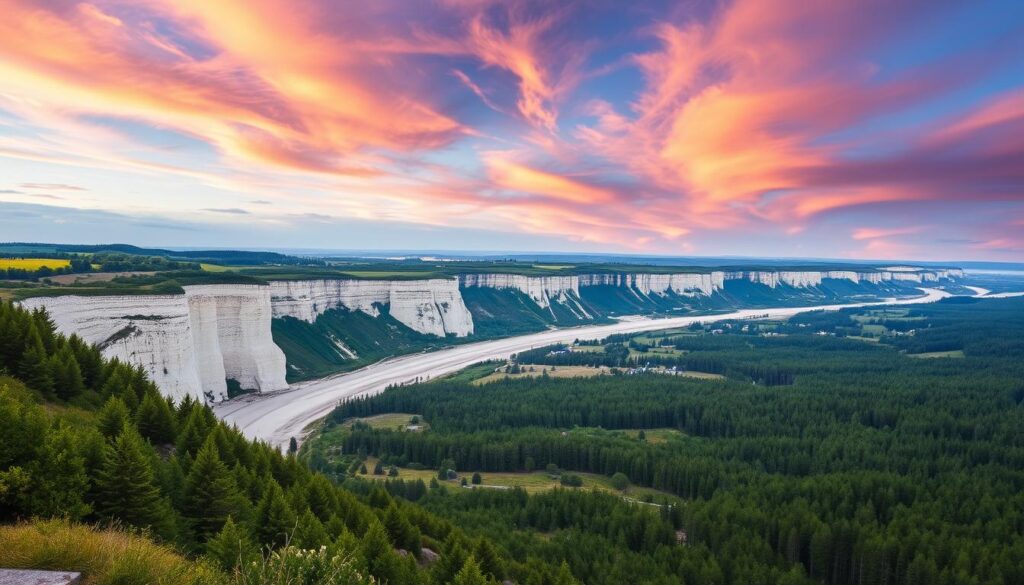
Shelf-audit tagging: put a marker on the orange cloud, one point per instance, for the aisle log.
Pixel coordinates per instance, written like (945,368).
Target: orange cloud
(516,177)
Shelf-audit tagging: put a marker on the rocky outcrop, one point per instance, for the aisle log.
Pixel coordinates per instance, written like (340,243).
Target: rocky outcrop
(431,306)
(189,344)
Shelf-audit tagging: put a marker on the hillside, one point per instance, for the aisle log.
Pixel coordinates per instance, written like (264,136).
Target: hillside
(91,440)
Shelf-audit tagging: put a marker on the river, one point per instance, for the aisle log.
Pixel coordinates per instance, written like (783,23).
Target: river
(278,416)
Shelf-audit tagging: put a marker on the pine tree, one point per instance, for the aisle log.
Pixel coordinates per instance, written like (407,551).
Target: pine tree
(155,420)
(211,495)
(113,418)
(309,532)
(376,549)
(469,574)
(453,556)
(275,520)
(488,559)
(67,376)
(193,433)
(564,576)
(402,533)
(231,547)
(60,477)
(125,485)
(34,367)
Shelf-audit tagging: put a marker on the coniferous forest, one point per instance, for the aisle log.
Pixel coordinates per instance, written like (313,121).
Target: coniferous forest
(857,461)
(91,441)
(815,455)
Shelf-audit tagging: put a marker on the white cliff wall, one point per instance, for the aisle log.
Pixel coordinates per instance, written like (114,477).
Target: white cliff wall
(547,289)
(150,331)
(242,336)
(188,344)
(432,306)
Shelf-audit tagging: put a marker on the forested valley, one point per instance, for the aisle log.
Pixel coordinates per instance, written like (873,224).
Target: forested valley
(830,452)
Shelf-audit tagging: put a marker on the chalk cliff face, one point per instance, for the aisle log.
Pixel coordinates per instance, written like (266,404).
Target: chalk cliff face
(431,306)
(542,290)
(547,289)
(188,344)
(191,343)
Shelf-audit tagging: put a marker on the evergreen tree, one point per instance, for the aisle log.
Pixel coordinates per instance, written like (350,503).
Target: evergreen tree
(309,532)
(113,418)
(381,560)
(67,376)
(488,560)
(60,477)
(469,574)
(35,367)
(125,485)
(231,547)
(401,532)
(274,520)
(453,557)
(155,420)
(211,495)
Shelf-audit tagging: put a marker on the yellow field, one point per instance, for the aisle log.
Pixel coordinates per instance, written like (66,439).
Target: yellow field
(32,263)
(213,267)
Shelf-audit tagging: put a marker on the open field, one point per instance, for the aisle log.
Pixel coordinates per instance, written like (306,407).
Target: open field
(701,375)
(32,263)
(91,277)
(391,420)
(532,482)
(553,371)
(956,353)
(214,267)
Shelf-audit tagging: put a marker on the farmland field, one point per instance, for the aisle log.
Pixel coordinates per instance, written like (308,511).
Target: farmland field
(32,263)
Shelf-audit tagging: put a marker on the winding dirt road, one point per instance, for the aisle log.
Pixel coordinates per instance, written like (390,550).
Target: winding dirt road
(278,416)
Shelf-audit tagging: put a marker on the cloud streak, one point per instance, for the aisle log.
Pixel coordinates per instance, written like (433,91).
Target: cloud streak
(665,127)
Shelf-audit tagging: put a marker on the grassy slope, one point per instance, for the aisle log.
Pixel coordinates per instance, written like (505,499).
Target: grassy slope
(311,350)
(103,556)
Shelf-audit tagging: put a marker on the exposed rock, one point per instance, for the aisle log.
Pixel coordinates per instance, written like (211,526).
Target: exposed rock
(429,306)
(28,577)
(188,344)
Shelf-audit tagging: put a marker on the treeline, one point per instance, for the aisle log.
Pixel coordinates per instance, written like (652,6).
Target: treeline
(870,468)
(190,480)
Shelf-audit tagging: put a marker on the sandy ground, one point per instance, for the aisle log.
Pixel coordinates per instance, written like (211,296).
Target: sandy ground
(278,416)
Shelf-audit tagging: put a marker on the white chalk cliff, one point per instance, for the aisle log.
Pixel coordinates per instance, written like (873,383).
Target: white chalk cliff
(191,343)
(188,344)
(431,306)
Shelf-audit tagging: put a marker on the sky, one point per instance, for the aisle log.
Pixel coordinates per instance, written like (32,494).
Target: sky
(844,128)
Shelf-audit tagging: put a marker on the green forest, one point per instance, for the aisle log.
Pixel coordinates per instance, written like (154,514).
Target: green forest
(89,442)
(831,452)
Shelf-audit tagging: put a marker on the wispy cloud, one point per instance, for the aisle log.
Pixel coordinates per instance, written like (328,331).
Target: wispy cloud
(228,210)
(662,127)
